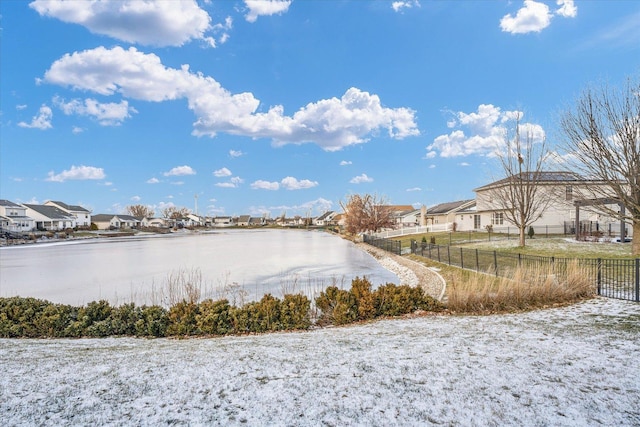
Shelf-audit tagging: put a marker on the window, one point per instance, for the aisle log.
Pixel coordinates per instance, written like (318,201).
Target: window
(568,192)
(497,218)
(476,221)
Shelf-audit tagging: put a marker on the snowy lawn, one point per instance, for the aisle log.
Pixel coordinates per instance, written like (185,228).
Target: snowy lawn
(571,366)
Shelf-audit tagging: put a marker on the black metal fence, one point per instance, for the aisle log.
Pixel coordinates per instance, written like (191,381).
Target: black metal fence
(393,246)
(614,278)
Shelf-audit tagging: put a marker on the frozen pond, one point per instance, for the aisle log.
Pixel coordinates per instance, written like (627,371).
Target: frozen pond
(236,264)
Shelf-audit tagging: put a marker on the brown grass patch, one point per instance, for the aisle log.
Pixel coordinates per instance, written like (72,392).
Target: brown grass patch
(524,288)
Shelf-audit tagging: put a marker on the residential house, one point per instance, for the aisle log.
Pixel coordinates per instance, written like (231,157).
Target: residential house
(447,214)
(565,191)
(223,221)
(192,220)
(243,220)
(82,215)
(325,219)
(153,222)
(14,218)
(119,222)
(257,221)
(50,218)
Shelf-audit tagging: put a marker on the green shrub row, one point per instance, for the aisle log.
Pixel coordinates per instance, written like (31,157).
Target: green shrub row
(340,307)
(32,318)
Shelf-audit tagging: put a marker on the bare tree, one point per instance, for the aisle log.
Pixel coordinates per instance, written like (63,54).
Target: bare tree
(140,211)
(519,195)
(366,213)
(173,212)
(602,137)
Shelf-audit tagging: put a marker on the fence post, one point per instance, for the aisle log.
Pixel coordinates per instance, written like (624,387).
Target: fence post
(495,261)
(477,261)
(461,258)
(449,253)
(637,279)
(599,276)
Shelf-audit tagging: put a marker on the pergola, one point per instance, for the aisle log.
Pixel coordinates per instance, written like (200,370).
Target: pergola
(602,201)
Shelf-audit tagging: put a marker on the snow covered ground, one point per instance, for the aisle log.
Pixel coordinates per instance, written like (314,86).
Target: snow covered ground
(578,365)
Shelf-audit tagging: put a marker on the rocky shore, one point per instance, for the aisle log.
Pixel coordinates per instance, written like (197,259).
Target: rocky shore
(409,272)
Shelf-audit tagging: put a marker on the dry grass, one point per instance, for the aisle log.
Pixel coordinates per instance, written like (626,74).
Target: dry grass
(524,288)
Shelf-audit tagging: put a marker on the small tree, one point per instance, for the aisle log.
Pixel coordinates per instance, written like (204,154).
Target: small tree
(519,195)
(366,213)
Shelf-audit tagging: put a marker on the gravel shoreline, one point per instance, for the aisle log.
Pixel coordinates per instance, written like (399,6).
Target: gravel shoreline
(409,272)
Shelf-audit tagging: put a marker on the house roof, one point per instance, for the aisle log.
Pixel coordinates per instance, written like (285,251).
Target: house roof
(324,216)
(50,212)
(244,218)
(74,208)
(8,204)
(444,208)
(102,217)
(541,177)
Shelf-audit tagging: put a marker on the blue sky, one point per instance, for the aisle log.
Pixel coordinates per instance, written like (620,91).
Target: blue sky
(287,106)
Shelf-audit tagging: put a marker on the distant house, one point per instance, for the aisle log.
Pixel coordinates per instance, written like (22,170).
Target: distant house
(82,215)
(50,218)
(192,220)
(14,218)
(119,222)
(325,219)
(223,221)
(243,220)
(153,222)
(459,212)
(257,221)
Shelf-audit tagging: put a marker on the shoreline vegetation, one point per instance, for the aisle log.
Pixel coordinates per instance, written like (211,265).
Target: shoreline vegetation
(467,293)
(424,288)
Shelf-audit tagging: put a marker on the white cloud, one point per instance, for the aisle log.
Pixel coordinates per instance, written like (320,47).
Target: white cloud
(153,181)
(291,183)
(235,153)
(21,107)
(158,23)
(399,6)
(76,130)
(532,17)
(108,114)
(180,171)
(234,182)
(136,198)
(360,179)
(42,121)
(345,162)
(265,185)
(487,131)
(567,8)
(331,123)
(288,183)
(463,164)
(222,172)
(265,8)
(77,173)
(414,189)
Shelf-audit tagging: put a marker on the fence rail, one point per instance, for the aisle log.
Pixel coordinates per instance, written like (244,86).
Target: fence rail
(614,278)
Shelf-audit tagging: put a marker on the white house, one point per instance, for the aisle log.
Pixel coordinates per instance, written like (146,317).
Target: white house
(82,215)
(325,219)
(565,190)
(50,218)
(14,218)
(111,221)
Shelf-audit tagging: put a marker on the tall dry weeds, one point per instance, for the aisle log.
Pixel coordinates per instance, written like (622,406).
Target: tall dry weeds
(525,288)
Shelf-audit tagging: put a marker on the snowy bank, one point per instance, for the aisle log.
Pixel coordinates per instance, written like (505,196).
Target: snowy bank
(573,366)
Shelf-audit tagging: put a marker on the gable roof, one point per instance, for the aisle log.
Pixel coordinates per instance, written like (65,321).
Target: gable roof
(64,206)
(541,177)
(9,204)
(324,216)
(50,212)
(444,208)
(102,217)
